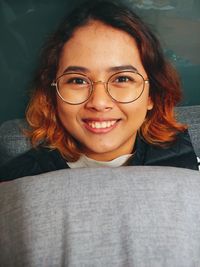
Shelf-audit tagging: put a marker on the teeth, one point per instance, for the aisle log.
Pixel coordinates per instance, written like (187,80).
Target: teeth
(101,125)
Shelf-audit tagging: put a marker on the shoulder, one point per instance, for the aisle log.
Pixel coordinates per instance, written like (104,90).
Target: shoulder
(33,162)
(180,153)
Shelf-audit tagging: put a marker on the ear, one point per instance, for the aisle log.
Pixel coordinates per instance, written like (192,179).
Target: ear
(149,103)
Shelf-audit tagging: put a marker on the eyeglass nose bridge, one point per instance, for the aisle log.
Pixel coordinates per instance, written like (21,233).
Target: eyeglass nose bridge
(96,82)
(104,83)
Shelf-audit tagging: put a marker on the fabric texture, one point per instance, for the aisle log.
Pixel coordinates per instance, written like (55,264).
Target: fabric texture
(120,217)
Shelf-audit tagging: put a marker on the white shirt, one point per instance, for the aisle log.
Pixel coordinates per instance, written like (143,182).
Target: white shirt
(84,162)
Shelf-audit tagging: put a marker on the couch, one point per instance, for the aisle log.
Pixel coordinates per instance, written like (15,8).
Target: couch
(127,216)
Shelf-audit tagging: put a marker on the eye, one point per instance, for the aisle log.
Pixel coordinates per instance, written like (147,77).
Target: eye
(77,80)
(122,79)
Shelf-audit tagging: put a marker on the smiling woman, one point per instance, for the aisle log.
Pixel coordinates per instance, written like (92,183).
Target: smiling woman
(103,119)
(103,95)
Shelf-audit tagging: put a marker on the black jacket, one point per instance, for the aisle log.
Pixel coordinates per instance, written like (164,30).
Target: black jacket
(41,160)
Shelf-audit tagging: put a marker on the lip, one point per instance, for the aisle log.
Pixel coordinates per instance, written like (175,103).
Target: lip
(91,122)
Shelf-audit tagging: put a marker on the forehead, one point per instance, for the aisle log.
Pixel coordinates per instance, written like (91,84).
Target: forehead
(94,31)
(97,45)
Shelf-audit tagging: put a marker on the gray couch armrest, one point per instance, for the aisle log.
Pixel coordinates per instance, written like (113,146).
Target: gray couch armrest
(191,116)
(12,140)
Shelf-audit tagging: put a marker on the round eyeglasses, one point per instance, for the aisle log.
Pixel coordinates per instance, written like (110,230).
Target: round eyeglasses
(123,87)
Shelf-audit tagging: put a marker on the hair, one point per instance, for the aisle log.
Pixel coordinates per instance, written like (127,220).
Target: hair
(160,126)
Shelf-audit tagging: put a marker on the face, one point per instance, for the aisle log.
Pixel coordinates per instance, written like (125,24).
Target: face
(105,128)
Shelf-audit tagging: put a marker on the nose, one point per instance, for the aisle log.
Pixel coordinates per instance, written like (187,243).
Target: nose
(99,100)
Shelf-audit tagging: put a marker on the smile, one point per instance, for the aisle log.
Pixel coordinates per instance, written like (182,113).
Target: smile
(100,127)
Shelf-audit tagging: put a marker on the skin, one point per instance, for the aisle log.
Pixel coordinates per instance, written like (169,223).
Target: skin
(99,48)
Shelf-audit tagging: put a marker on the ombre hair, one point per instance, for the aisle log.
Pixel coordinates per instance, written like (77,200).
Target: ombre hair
(160,126)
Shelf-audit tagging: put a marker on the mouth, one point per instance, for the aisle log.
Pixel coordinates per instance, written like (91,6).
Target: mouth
(100,126)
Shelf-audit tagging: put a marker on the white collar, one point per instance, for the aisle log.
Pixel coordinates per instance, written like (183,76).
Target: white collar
(84,162)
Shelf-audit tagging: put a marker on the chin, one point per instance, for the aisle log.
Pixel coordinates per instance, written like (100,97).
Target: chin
(101,150)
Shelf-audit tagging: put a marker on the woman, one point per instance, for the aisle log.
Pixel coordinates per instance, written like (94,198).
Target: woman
(104,96)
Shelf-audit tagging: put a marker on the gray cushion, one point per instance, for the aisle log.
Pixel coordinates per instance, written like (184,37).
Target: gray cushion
(127,216)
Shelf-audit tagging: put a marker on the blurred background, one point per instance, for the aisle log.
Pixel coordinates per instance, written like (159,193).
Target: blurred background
(25,24)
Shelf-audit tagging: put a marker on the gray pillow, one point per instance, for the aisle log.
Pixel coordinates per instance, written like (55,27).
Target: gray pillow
(127,216)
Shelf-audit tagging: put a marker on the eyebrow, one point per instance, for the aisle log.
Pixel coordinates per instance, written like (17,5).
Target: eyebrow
(76,69)
(122,68)
(110,69)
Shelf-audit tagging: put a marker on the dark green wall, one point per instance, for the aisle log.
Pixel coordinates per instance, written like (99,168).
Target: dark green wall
(25,24)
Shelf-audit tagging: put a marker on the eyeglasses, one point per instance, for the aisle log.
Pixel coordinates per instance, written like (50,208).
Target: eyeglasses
(123,87)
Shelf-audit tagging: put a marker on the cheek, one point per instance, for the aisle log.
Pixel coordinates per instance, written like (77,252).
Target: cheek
(67,114)
(137,110)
